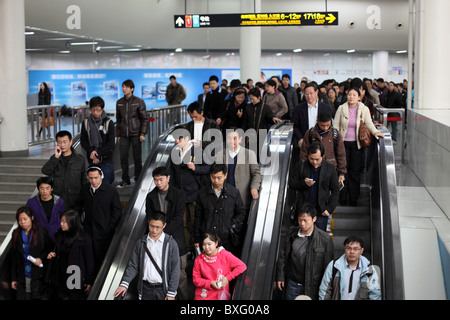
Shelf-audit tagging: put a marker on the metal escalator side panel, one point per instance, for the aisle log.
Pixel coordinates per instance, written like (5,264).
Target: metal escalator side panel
(260,245)
(385,222)
(132,225)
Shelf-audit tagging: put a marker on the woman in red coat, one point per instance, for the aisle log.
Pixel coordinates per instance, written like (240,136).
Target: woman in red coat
(214,269)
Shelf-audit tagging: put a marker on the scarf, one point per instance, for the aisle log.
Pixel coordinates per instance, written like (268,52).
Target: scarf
(95,126)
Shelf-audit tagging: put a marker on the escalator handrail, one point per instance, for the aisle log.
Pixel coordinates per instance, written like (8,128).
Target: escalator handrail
(263,231)
(391,264)
(131,225)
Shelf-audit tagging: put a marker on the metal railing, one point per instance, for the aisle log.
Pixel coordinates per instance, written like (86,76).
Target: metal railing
(381,115)
(44,122)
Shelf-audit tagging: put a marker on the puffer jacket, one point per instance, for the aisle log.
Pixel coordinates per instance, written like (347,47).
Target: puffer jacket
(131,117)
(368,287)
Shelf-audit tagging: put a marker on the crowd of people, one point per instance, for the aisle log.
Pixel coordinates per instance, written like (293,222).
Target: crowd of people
(198,209)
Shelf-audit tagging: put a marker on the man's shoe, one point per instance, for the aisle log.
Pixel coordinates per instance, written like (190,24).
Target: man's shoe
(123,184)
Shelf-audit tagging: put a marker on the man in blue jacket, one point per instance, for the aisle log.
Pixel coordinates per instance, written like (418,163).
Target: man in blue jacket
(351,277)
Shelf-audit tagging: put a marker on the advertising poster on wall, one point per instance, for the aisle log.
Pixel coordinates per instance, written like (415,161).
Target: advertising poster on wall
(76,87)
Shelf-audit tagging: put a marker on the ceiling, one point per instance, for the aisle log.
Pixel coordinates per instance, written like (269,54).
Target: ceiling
(149,25)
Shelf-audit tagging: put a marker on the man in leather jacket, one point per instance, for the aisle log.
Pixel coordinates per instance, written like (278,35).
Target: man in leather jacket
(132,125)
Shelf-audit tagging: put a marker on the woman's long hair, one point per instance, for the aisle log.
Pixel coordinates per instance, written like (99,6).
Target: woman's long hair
(76,231)
(34,226)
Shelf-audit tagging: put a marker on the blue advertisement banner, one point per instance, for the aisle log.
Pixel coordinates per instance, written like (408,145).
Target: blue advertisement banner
(75,87)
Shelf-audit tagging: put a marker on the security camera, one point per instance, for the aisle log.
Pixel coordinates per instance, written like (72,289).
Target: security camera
(399,25)
(97,49)
(351,24)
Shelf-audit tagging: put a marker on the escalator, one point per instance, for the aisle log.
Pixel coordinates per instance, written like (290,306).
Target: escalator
(375,219)
(267,221)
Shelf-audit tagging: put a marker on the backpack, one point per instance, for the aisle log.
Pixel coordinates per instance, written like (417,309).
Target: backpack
(335,138)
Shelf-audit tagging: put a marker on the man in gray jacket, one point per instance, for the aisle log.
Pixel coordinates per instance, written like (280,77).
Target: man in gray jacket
(155,260)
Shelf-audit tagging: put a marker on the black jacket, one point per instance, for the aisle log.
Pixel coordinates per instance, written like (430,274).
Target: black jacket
(67,180)
(252,119)
(40,250)
(102,210)
(328,185)
(206,138)
(319,253)
(187,180)
(393,100)
(224,215)
(214,103)
(300,117)
(131,117)
(108,136)
(174,215)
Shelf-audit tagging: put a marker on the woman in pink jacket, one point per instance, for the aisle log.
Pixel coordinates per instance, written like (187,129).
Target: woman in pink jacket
(214,269)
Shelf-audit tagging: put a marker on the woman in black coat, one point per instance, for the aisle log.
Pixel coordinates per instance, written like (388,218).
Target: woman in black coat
(73,267)
(28,239)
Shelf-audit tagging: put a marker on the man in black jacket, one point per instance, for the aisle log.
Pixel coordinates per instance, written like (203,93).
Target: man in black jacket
(98,138)
(220,209)
(132,125)
(171,201)
(214,102)
(203,132)
(317,183)
(393,100)
(303,257)
(102,209)
(67,168)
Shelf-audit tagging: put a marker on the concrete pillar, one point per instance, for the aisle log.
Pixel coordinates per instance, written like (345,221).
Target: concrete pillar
(250,45)
(13,128)
(380,62)
(432,64)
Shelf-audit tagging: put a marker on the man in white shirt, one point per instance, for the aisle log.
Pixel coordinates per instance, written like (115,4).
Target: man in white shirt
(158,279)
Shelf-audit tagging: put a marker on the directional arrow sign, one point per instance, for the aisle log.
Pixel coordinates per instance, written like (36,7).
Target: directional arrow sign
(179,22)
(269,19)
(330,18)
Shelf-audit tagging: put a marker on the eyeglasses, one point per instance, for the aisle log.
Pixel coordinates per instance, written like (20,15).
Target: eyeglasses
(356,249)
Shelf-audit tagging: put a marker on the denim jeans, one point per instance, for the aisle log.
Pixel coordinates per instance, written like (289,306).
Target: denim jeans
(124,145)
(108,171)
(293,289)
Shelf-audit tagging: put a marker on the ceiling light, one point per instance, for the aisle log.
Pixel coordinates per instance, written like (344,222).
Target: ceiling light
(297,50)
(278,54)
(34,49)
(130,49)
(28,33)
(112,47)
(58,39)
(64,51)
(402,51)
(178,50)
(83,43)
(351,51)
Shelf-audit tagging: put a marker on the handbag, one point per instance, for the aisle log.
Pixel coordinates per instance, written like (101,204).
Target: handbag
(365,136)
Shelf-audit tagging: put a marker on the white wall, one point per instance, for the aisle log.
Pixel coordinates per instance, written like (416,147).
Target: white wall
(316,66)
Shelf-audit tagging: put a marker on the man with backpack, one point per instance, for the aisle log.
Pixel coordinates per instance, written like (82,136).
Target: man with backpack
(98,138)
(331,140)
(351,277)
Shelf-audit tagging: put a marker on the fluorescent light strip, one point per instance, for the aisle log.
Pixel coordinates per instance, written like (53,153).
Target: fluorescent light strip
(130,49)
(297,50)
(83,43)
(29,33)
(402,51)
(351,51)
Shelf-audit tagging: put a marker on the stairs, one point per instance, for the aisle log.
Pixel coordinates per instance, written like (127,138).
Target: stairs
(355,221)
(17,183)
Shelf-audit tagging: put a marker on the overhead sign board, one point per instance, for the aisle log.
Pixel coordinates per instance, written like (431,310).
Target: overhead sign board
(271,19)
